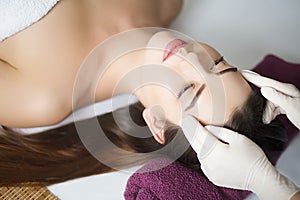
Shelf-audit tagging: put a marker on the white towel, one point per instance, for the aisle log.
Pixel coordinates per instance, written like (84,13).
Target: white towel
(16,15)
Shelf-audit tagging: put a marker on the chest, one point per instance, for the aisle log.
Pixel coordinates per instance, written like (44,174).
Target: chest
(64,37)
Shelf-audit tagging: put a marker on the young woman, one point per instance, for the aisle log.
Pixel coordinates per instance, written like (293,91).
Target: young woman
(37,90)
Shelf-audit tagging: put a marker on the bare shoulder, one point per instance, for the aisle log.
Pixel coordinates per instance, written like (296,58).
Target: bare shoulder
(28,102)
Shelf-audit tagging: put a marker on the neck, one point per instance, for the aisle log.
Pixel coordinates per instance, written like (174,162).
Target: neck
(121,75)
(117,79)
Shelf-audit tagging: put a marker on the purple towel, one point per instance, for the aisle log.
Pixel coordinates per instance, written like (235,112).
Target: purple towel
(178,182)
(174,182)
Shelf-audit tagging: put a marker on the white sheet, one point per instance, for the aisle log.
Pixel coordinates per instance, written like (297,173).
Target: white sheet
(244,31)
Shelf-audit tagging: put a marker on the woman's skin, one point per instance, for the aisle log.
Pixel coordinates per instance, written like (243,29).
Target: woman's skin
(296,196)
(38,65)
(160,101)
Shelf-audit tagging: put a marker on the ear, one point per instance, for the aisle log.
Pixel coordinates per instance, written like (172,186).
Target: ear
(156,126)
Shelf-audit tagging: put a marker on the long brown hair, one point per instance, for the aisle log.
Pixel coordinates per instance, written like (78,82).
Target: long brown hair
(58,155)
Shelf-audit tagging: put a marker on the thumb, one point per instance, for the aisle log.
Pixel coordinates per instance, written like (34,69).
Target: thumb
(201,140)
(223,134)
(270,112)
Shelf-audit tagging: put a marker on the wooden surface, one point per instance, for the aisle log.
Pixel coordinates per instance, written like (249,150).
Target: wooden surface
(28,191)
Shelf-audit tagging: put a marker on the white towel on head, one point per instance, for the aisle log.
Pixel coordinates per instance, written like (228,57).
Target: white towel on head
(16,15)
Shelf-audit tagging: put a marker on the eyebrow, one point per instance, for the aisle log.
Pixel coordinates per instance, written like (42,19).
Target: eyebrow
(193,102)
(232,69)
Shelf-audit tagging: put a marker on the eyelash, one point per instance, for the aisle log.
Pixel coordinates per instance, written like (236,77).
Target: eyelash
(219,60)
(191,85)
(216,62)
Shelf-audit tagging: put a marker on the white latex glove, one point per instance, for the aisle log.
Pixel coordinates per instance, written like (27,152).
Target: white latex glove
(239,164)
(283,98)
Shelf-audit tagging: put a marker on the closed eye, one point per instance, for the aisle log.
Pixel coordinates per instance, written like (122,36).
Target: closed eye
(196,97)
(191,85)
(232,69)
(219,60)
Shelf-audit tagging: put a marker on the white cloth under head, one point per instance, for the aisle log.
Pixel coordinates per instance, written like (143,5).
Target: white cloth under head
(16,15)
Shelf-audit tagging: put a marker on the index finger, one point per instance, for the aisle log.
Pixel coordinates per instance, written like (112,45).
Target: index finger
(262,81)
(201,140)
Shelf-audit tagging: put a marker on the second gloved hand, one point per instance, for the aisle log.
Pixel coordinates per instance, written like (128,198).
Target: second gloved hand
(283,98)
(232,160)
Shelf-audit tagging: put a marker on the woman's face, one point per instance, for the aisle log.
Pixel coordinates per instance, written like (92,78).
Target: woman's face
(191,84)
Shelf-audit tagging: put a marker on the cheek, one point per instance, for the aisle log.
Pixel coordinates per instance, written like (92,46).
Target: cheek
(153,56)
(173,111)
(171,107)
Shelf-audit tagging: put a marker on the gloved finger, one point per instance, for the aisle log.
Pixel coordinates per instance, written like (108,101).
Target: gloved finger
(223,134)
(262,81)
(277,98)
(270,112)
(201,140)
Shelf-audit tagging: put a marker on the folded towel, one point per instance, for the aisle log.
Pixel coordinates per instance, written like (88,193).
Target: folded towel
(16,15)
(178,182)
(174,182)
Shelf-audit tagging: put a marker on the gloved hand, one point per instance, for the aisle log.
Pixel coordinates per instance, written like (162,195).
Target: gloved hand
(282,98)
(237,162)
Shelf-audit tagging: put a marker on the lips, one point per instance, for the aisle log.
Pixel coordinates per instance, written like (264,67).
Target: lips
(172,48)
